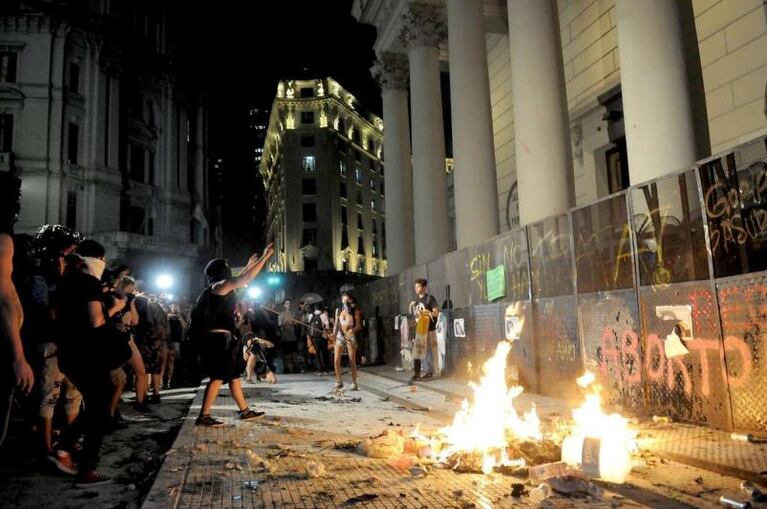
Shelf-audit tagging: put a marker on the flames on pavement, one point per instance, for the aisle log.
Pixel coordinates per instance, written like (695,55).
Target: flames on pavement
(489,434)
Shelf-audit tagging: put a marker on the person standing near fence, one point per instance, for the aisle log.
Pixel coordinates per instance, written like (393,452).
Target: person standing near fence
(426,311)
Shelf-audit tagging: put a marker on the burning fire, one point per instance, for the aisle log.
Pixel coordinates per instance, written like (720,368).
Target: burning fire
(486,425)
(600,444)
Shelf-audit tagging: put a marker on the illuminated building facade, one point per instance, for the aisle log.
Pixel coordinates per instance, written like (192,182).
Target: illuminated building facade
(323,174)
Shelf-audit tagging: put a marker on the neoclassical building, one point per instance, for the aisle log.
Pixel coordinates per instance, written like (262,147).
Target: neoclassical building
(324,179)
(554,104)
(104,135)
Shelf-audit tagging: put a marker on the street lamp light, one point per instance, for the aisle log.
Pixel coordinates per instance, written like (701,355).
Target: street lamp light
(254,292)
(164,281)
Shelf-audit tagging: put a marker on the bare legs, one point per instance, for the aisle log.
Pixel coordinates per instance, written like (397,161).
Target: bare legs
(211,391)
(137,364)
(353,361)
(171,364)
(338,352)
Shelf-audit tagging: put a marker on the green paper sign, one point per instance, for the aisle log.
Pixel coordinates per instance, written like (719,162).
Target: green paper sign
(496,283)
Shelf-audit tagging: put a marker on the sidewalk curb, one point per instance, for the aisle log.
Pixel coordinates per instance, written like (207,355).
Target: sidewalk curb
(166,490)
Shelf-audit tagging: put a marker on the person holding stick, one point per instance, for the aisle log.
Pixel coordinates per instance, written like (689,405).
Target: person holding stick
(347,326)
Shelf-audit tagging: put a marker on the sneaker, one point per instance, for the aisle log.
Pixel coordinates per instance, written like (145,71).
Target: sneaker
(154,399)
(142,407)
(339,385)
(354,386)
(428,376)
(248,414)
(207,420)
(91,478)
(63,461)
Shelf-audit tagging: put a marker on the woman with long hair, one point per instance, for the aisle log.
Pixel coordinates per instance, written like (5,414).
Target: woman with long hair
(347,328)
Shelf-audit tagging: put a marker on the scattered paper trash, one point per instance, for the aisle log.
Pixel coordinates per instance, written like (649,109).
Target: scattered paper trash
(540,473)
(388,444)
(569,485)
(257,463)
(315,469)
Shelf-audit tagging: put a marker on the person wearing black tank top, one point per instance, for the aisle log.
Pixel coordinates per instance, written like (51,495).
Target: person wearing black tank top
(213,320)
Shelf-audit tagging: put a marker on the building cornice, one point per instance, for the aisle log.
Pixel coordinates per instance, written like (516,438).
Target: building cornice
(423,24)
(391,71)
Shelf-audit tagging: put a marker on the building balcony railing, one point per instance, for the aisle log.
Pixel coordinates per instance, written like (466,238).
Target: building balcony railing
(129,240)
(75,170)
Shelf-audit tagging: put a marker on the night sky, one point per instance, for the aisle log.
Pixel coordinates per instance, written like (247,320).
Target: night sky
(238,51)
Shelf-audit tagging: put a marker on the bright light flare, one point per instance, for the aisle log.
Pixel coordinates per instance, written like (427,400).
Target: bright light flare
(254,292)
(164,281)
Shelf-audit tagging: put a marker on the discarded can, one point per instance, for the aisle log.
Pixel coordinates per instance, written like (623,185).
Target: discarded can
(539,494)
(662,419)
(734,504)
(752,491)
(745,437)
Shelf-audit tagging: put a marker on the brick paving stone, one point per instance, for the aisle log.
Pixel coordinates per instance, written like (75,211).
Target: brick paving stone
(208,467)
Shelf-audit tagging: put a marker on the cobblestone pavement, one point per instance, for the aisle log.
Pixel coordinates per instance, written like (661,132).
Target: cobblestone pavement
(306,424)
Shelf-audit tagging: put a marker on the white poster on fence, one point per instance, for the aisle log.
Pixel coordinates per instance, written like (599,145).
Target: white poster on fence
(459,329)
(512,328)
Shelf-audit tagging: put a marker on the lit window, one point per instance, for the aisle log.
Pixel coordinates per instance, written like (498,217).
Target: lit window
(342,168)
(372,183)
(373,205)
(358,175)
(309,163)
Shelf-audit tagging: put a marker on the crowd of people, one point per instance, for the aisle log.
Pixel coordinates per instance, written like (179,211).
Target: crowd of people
(81,334)
(75,335)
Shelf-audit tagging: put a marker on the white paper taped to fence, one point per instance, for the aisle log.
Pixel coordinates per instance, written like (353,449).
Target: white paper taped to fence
(512,328)
(459,329)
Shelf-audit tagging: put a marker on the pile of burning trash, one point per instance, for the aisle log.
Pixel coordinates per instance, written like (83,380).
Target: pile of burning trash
(488,435)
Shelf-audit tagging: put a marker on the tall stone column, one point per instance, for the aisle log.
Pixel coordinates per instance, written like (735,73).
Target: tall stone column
(391,72)
(476,197)
(423,30)
(657,105)
(541,131)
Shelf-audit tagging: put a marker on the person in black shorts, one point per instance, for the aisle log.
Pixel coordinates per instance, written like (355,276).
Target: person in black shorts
(214,328)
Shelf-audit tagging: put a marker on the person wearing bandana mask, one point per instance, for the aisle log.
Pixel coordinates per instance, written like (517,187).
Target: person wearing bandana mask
(88,352)
(346,329)
(15,371)
(213,327)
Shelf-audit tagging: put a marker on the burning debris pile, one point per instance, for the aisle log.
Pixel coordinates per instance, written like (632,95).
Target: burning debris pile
(488,435)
